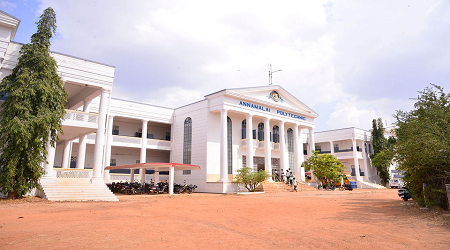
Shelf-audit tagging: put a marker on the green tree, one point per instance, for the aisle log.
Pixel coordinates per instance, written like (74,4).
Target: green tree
(32,113)
(382,149)
(251,179)
(423,146)
(325,166)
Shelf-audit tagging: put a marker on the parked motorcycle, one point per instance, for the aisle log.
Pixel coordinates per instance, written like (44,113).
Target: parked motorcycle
(404,193)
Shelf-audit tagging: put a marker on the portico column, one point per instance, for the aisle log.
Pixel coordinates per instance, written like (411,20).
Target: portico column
(81,158)
(332,147)
(48,166)
(100,136)
(66,154)
(171,179)
(283,160)
(223,146)
(312,146)
(267,148)
(364,153)
(301,156)
(297,163)
(355,160)
(249,134)
(157,175)
(109,139)
(143,155)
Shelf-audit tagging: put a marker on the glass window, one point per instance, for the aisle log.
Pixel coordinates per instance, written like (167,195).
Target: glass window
(186,172)
(187,143)
(290,137)
(261,131)
(276,134)
(244,128)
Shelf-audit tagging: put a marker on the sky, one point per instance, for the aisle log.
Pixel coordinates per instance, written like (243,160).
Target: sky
(350,61)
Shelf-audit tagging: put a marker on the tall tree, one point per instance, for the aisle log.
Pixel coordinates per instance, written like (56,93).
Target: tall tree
(32,112)
(382,157)
(423,146)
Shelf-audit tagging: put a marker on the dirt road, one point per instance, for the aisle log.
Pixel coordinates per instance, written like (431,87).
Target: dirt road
(362,219)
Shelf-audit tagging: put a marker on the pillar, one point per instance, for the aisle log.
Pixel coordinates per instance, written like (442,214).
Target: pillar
(157,175)
(268,150)
(332,147)
(283,158)
(171,179)
(365,167)
(297,163)
(109,139)
(249,133)
(81,158)
(132,175)
(311,143)
(301,156)
(355,160)
(48,166)
(66,154)
(143,155)
(100,136)
(223,146)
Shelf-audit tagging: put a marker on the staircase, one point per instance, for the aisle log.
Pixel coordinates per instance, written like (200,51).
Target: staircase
(365,184)
(281,187)
(76,189)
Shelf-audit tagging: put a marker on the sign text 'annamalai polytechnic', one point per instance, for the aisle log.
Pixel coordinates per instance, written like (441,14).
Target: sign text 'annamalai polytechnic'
(267,109)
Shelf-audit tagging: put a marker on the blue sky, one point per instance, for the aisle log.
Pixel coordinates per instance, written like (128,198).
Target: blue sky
(350,61)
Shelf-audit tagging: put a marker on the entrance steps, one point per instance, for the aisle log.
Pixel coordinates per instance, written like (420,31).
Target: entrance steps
(76,189)
(281,187)
(365,184)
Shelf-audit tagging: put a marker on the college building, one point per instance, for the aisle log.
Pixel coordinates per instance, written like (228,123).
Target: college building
(203,143)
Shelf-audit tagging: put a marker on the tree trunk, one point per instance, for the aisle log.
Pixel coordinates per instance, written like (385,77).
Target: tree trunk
(12,195)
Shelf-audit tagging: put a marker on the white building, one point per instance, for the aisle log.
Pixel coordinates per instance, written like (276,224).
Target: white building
(262,127)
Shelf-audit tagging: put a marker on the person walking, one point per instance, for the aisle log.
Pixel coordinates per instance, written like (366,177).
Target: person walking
(287,177)
(294,181)
(282,175)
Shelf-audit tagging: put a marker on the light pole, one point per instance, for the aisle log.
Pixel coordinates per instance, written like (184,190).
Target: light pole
(271,73)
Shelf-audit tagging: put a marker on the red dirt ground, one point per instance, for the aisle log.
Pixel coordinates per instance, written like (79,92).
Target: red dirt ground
(362,219)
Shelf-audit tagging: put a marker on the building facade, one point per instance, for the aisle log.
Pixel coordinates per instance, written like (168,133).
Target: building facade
(264,128)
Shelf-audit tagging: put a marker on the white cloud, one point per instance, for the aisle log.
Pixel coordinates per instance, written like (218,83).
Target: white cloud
(329,51)
(8,6)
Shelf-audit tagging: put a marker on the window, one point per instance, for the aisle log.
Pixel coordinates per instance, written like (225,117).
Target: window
(187,143)
(230,146)
(261,131)
(115,130)
(319,148)
(276,134)
(167,136)
(112,162)
(290,137)
(244,128)
(186,172)
(73,162)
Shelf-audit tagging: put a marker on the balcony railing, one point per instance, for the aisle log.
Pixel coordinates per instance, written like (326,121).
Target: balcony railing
(244,143)
(158,143)
(70,173)
(73,115)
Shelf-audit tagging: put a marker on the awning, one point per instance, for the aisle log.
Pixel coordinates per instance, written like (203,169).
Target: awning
(162,166)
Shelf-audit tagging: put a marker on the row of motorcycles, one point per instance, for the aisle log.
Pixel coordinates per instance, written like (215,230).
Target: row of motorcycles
(404,193)
(149,188)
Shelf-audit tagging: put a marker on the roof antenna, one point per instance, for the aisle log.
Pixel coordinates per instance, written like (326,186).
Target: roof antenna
(271,73)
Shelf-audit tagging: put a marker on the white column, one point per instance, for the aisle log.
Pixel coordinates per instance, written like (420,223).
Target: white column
(366,177)
(100,136)
(157,175)
(249,143)
(332,147)
(48,166)
(81,158)
(223,146)
(297,163)
(312,146)
(283,158)
(355,160)
(66,154)
(131,175)
(109,139)
(171,179)
(143,155)
(268,150)
(301,156)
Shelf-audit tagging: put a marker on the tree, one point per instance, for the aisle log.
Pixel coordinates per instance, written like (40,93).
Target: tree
(251,179)
(325,166)
(423,146)
(32,113)
(382,149)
